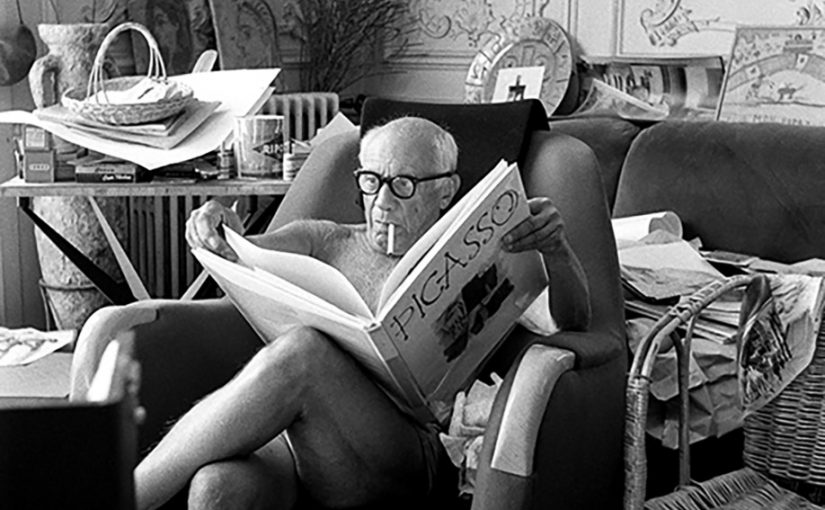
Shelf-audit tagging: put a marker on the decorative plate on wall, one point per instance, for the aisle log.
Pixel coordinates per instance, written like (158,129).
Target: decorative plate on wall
(535,42)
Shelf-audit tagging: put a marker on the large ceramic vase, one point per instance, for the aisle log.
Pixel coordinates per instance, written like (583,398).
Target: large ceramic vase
(69,293)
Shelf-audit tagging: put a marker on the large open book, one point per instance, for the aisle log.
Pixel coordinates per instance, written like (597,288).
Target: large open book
(443,310)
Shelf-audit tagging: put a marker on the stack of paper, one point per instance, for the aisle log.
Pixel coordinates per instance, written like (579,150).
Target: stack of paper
(163,134)
(239,92)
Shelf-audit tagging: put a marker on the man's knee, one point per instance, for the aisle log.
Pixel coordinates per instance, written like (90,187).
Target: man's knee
(216,486)
(301,354)
(223,485)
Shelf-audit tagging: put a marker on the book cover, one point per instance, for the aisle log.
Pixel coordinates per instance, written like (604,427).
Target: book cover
(107,177)
(444,309)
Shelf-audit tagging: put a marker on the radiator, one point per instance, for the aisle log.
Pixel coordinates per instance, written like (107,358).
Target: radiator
(304,112)
(157,225)
(157,246)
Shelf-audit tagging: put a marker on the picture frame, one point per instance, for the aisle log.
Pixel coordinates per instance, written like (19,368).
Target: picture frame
(774,74)
(517,83)
(247,34)
(694,27)
(183,29)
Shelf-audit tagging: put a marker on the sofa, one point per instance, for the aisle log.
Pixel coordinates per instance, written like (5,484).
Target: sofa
(750,188)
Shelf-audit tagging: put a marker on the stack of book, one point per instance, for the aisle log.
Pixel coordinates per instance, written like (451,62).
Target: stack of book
(99,168)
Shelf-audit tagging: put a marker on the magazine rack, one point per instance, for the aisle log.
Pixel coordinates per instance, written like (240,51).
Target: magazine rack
(783,440)
(565,450)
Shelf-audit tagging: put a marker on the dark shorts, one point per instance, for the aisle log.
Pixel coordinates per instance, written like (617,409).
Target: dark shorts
(442,475)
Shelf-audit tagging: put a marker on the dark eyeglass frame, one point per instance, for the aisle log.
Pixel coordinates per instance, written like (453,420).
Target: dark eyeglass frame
(395,178)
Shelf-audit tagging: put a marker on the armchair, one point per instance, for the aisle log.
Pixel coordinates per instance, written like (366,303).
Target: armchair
(555,434)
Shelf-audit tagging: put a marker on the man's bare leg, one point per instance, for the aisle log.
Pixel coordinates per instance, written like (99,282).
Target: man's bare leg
(265,480)
(351,443)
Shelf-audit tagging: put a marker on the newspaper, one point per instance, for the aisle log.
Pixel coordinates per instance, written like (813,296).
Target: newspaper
(778,339)
(602,99)
(723,389)
(664,271)
(687,88)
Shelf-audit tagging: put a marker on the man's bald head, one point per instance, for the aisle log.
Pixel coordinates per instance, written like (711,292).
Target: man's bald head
(421,135)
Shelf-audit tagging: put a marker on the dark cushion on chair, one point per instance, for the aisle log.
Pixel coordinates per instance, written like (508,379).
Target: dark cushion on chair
(485,133)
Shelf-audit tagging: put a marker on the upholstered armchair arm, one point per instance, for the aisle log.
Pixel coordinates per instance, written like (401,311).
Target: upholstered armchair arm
(186,349)
(554,437)
(536,375)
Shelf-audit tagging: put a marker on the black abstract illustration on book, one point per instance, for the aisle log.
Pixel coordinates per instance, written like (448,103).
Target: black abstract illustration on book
(479,300)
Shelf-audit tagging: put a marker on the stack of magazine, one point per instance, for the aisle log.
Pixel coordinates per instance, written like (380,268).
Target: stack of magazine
(653,88)
(161,134)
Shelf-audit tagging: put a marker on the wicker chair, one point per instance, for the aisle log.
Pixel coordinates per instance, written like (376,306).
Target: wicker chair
(784,452)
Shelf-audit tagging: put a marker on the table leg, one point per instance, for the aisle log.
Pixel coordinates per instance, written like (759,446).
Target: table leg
(117,293)
(129,272)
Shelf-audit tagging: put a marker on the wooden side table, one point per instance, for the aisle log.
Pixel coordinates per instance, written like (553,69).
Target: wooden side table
(133,288)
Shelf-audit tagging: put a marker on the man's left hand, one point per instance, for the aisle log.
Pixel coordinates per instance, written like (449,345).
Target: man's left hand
(542,231)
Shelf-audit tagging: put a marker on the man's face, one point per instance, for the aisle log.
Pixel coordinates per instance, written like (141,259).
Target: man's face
(390,154)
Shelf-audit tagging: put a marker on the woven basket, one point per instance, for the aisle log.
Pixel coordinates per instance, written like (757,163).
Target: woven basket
(123,114)
(784,441)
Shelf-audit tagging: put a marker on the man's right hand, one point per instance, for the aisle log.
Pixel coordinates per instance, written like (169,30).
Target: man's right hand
(203,228)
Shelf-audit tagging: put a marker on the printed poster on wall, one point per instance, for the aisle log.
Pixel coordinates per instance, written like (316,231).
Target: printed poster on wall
(776,74)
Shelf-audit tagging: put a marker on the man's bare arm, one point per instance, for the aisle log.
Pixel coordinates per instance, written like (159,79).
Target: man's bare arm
(544,231)
(204,229)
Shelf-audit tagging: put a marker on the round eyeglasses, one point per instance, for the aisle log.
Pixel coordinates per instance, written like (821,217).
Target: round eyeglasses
(402,186)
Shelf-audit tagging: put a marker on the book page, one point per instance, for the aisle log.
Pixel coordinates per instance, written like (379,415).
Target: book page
(310,274)
(272,310)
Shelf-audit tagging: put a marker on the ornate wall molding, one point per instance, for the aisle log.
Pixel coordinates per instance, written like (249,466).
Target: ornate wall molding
(690,27)
(449,33)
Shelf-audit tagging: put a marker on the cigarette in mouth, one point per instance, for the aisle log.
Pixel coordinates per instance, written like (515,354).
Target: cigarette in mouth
(390,239)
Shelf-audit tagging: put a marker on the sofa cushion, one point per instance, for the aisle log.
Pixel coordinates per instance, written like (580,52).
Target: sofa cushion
(751,188)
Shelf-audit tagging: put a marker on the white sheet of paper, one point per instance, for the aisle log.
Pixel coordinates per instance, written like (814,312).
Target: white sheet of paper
(25,345)
(515,83)
(677,255)
(307,273)
(338,125)
(633,228)
(239,91)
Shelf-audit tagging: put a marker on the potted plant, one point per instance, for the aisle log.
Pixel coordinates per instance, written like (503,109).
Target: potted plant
(344,41)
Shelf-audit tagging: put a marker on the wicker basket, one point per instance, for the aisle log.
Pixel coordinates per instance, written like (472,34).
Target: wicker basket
(784,441)
(121,114)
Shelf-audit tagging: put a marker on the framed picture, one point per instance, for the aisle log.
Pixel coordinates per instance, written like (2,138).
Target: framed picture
(775,74)
(247,35)
(696,27)
(517,83)
(182,28)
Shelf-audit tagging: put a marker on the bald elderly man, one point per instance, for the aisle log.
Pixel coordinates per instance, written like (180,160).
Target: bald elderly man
(302,415)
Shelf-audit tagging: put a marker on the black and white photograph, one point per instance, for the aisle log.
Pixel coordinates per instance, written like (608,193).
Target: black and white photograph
(412,254)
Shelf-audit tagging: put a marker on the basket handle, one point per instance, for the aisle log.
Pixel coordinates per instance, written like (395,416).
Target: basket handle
(156,69)
(687,312)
